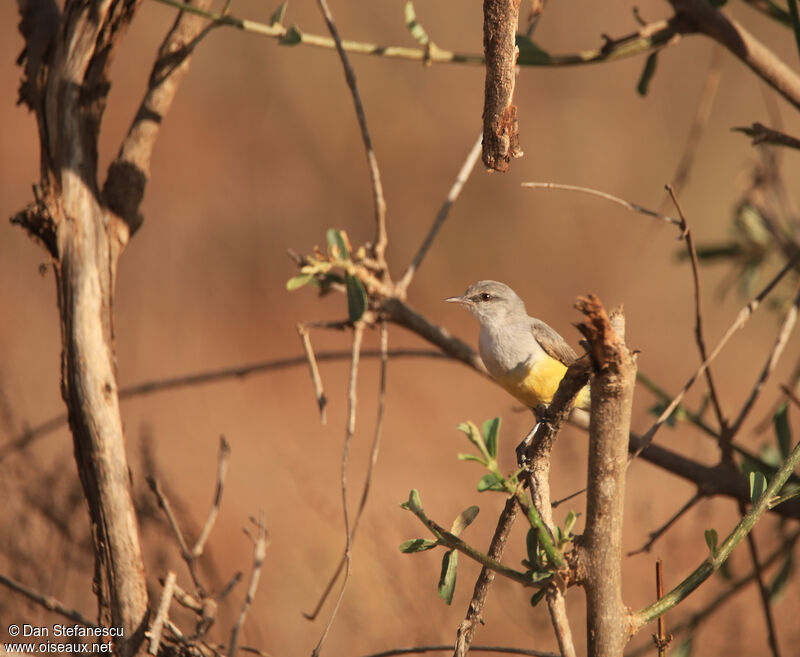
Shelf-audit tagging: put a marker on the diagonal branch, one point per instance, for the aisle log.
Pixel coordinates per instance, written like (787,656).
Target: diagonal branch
(381,238)
(129,172)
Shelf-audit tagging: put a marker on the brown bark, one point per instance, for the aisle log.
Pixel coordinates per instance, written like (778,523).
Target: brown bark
(500,126)
(65,86)
(600,549)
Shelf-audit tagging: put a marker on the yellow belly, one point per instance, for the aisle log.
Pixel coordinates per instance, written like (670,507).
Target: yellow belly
(538,383)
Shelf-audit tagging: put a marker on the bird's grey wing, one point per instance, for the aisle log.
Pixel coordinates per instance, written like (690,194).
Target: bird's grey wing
(552,342)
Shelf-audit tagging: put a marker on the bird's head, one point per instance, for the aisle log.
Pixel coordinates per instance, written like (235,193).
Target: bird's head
(491,302)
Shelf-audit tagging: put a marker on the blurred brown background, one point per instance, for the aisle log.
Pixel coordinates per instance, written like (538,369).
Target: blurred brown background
(261,153)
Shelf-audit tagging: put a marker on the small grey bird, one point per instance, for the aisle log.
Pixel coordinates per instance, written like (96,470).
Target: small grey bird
(523,354)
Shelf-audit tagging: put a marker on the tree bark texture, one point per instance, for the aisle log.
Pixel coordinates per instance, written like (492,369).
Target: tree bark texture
(601,545)
(65,85)
(500,126)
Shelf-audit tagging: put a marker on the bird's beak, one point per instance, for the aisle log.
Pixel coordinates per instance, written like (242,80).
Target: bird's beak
(459,300)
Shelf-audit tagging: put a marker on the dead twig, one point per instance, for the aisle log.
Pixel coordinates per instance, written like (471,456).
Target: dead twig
(698,324)
(373,460)
(161,615)
(609,197)
(381,237)
(46,601)
(741,319)
(452,196)
(699,123)
(658,533)
(322,400)
(358,334)
(259,553)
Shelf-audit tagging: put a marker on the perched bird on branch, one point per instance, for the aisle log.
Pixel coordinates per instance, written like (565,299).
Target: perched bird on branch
(523,354)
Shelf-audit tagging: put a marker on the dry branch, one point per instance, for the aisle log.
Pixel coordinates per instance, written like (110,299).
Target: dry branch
(500,126)
(600,549)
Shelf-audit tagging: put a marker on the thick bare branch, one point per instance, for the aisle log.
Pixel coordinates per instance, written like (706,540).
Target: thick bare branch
(500,126)
(600,550)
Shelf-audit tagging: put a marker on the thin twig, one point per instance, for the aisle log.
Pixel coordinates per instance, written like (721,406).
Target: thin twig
(503,650)
(358,333)
(322,400)
(648,38)
(466,629)
(633,207)
(373,460)
(658,533)
(698,319)
(212,376)
(772,360)
(452,196)
(661,639)
(714,561)
(259,553)
(163,502)
(736,586)
(46,601)
(763,590)
(381,238)
(741,319)
(161,615)
(699,123)
(222,468)
(761,134)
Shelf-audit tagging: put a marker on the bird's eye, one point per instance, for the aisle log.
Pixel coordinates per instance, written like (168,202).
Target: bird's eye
(485,296)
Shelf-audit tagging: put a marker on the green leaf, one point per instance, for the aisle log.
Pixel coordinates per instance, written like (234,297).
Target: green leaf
(292,37)
(471,431)
(537,597)
(447,579)
(278,14)
(490,430)
(471,457)
(464,520)
(647,74)
(337,242)
(531,545)
(530,54)
(570,521)
(356,298)
(417,31)
(489,482)
(712,539)
(417,545)
(783,431)
(298,281)
(758,484)
(414,503)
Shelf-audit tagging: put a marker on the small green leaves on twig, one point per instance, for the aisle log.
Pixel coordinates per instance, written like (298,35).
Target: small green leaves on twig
(758,484)
(318,270)
(712,540)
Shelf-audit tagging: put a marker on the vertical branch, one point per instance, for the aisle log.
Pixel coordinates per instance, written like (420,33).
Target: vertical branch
(381,236)
(600,551)
(68,96)
(358,334)
(500,126)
